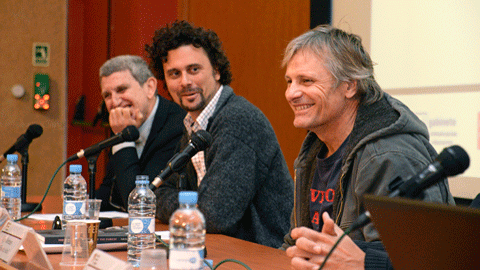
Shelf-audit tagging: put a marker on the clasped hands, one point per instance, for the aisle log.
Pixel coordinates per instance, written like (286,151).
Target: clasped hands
(311,248)
(121,117)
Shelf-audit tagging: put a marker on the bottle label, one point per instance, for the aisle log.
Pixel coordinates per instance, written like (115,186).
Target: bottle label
(186,258)
(11,192)
(74,208)
(141,225)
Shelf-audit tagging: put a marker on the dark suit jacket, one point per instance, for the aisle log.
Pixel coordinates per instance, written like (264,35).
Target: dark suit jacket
(124,165)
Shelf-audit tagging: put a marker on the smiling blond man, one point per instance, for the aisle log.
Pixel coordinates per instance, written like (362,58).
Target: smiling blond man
(359,140)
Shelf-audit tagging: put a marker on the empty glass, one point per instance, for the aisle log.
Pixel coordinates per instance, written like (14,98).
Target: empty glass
(92,208)
(153,259)
(75,246)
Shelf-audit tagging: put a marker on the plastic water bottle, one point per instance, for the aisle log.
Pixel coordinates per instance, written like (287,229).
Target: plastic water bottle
(74,195)
(187,234)
(11,187)
(141,220)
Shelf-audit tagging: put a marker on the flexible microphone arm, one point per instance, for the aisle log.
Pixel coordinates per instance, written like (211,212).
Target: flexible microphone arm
(33,131)
(200,141)
(21,146)
(128,134)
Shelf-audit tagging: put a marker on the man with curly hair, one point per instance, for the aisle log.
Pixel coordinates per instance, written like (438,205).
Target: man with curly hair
(244,187)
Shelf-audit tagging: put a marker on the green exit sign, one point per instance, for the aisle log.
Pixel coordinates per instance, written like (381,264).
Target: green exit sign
(41,54)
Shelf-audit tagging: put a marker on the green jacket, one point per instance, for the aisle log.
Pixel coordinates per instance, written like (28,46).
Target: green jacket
(387,141)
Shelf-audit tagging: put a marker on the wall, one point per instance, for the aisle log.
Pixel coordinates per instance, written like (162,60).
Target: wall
(254,35)
(245,27)
(442,86)
(80,42)
(87,50)
(97,31)
(353,17)
(23,22)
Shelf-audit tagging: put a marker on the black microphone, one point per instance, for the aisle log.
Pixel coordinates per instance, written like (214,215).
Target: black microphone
(476,202)
(200,141)
(128,134)
(451,161)
(33,131)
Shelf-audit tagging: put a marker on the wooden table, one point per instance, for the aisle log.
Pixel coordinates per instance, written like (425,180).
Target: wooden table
(219,247)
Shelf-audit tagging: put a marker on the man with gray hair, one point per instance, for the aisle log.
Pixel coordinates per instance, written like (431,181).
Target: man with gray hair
(359,140)
(129,90)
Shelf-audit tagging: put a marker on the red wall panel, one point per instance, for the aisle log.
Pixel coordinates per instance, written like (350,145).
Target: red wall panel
(133,24)
(97,31)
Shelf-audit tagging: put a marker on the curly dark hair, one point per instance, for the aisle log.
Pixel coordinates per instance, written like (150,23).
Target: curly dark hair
(184,33)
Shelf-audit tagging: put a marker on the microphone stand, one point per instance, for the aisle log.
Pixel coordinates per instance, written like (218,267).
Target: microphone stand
(92,170)
(26,207)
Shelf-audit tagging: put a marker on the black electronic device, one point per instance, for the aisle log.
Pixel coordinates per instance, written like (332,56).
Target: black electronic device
(33,131)
(451,161)
(108,235)
(200,141)
(426,235)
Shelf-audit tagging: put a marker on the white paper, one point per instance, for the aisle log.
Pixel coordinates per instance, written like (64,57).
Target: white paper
(100,260)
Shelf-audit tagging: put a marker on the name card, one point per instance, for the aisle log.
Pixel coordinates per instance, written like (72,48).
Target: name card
(100,260)
(13,235)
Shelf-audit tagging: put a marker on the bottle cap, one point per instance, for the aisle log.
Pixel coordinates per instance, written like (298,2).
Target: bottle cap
(12,158)
(142,179)
(75,168)
(187,197)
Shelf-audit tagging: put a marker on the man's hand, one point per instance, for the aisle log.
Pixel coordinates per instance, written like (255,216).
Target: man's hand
(120,118)
(312,247)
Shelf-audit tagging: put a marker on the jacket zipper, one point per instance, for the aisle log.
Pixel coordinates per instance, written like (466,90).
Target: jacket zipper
(295,198)
(340,210)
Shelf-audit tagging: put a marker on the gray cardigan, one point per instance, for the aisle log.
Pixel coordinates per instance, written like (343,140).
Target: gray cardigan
(247,191)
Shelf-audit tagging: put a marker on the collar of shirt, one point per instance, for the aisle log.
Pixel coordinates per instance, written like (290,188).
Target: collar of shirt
(202,119)
(198,160)
(144,131)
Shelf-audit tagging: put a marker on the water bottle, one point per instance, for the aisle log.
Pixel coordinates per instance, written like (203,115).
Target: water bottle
(11,187)
(141,220)
(187,234)
(74,195)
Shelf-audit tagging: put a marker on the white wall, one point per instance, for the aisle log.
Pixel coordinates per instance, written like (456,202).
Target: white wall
(427,54)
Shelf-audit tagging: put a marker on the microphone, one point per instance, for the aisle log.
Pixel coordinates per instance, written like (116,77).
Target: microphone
(200,141)
(33,131)
(128,134)
(451,161)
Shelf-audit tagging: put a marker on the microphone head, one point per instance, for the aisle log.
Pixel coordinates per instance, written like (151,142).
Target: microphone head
(130,133)
(454,160)
(201,140)
(33,131)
